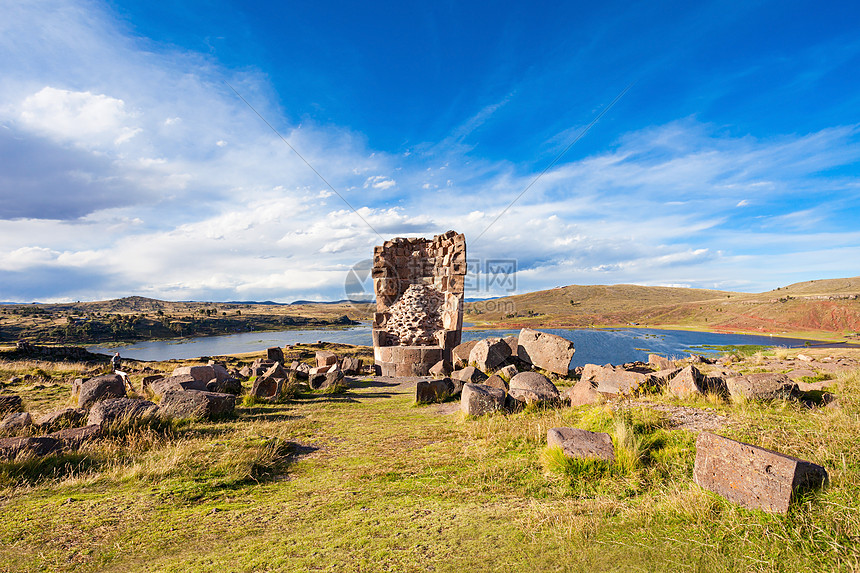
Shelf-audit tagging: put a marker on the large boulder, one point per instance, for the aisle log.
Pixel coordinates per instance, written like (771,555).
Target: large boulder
(120,411)
(65,418)
(328,381)
(74,438)
(460,353)
(430,391)
(196,404)
(547,351)
(177,382)
(351,365)
(325,358)
(200,373)
(478,399)
(614,382)
(10,448)
(489,354)
(10,403)
(762,386)
(689,381)
(583,393)
(578,443)
(228,386)
(532,388)
(100,388)
(15,421)
(275,354)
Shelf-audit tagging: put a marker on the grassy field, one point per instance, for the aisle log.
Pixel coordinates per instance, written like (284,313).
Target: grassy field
(368,481)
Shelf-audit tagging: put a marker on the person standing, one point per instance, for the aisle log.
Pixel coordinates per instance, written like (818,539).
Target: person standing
(115,361)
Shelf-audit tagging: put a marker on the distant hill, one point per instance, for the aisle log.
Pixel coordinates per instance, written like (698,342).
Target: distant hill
(828,308)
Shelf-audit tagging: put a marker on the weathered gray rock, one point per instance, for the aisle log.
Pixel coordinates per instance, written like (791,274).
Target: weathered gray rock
(221,372)
(660,362)
(228,386)
(275,354)
(430,391)
(330,381)
(74,438)
(10,448)
(751,476)
(578,443)
(583,393)
(489,354)
(120,411)
(325,358)
(15,421)
(351,365)
(441,369)
(507,372)
(762,386)
(513,342)
(547,351)
(275,371)
(200,373)
(613,382)
(178,382)
(689,381)
(267,387)
(65,418)
(496,381)
(533,388)
(196,404)
(479,399)
(469,374)
(100,388)
(10,403)
(460,353)
(245,372)
(302,370)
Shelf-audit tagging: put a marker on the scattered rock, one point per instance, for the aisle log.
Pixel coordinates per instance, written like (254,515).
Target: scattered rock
(507,372)
(513,342)
(751,476)
(430,391)
(690,381)
(117,411)
(266,387)
(469,374)
(325,358)
(331,381)
(275,354)
(351,365)
(479,399)
(460,353)
(177,382)
(11,448)
(805,358)
(228,386)
(583,393)
(302,370)
(100,388)
(74,438)
(196,404)
(614,382)
(578,443)
(547,351)
(762,386)
(489,354)
(441,369)
(200,373)
(65,418)
(532,388)
(10,403)
(496,381)
(15,421)
(659,362)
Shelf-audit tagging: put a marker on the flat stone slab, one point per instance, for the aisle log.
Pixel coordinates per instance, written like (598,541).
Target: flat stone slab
(762,386)
(754,477)
(579,443)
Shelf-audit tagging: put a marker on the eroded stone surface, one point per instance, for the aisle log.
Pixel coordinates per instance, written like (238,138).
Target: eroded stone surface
(532,388)
(479,399)
(430,391)
(100,388)
(544,350)
(579,443)
(754,477)
(762,386)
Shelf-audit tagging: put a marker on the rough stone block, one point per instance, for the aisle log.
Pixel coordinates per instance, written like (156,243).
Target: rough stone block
(200,373)
(762,386)
(326,358)
(460,353)
(478,399)
(74,438)
(751,476)
(10,448)
(100,388)
(532,388)
(489,354)
(194,403)
(660,362)
(547,351)
(689,381)
(583,393)
(427,392)
(578,443)
(120,411)
(275,353)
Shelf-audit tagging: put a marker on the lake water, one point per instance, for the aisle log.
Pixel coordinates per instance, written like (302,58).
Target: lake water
(593,346)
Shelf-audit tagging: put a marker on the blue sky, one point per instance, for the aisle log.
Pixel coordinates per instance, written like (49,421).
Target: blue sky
(129,166)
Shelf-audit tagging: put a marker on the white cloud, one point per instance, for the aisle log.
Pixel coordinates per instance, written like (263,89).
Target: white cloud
(379,182)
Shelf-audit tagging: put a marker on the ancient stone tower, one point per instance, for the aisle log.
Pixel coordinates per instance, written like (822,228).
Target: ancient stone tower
(419,302)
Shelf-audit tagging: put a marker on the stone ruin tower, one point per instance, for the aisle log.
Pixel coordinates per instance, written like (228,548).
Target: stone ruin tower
(419,302)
